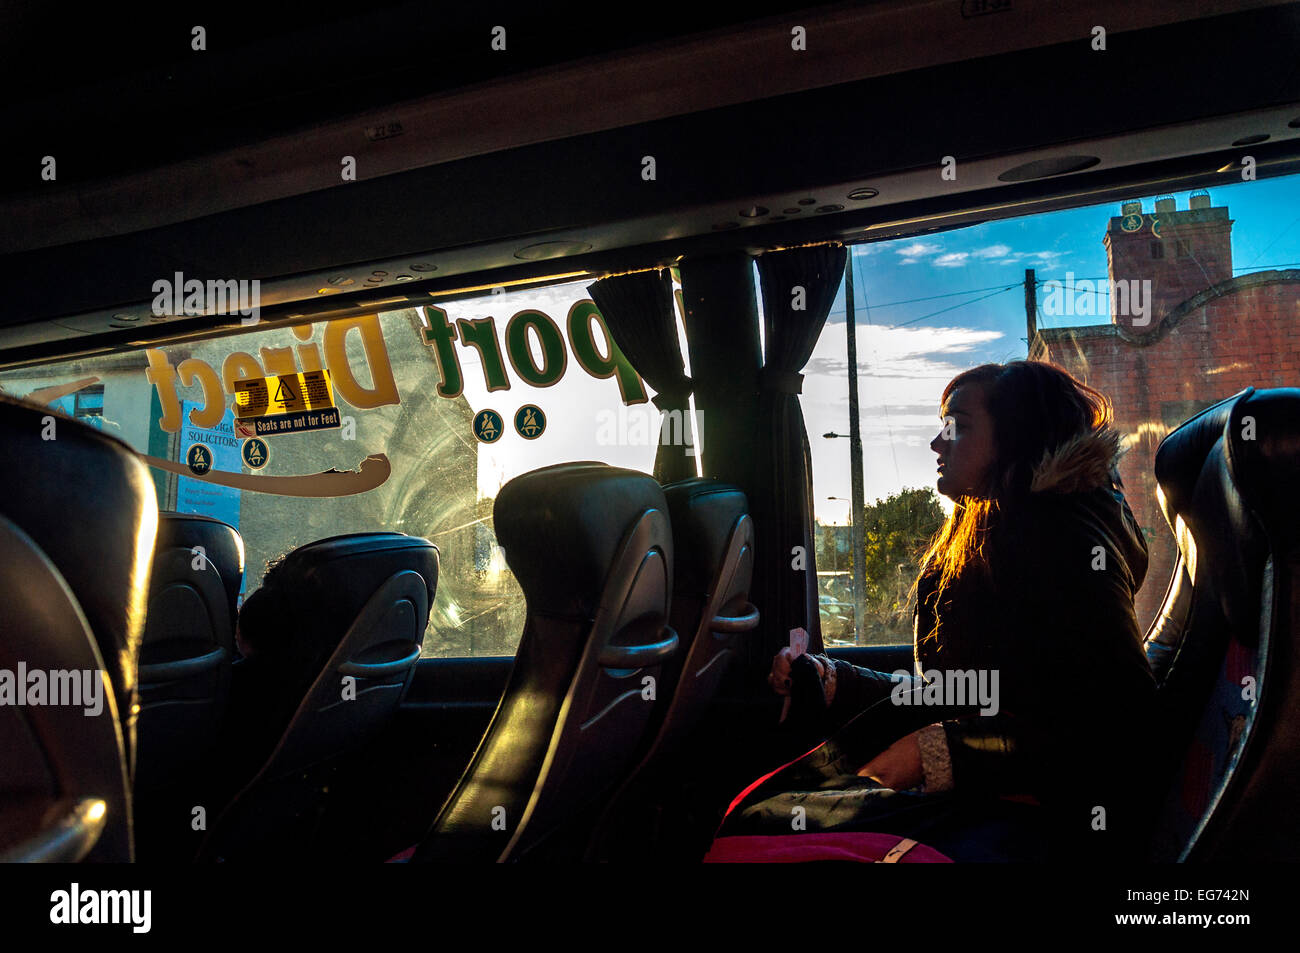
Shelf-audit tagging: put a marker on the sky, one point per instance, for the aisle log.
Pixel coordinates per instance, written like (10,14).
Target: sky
(911,341)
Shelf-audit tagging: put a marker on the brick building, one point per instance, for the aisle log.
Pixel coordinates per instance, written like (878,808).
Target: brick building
(1191,337)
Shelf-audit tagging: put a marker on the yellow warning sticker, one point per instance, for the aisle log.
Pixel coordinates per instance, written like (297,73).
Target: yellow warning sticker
(283,394)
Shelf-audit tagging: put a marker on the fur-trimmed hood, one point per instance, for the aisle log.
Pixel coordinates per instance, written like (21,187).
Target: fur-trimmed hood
(1081,464)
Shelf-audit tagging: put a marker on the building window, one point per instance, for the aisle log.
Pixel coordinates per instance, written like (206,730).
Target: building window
(1184,248)
(1157,249)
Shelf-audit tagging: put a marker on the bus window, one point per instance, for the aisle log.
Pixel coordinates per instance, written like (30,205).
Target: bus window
(461,397)
(1166,304)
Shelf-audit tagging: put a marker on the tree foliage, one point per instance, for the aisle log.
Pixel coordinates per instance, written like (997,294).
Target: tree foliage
(896,531)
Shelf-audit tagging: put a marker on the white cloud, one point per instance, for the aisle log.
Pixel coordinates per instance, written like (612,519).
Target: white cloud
(918,249)
(954,259)
(1016,257)
(992,251)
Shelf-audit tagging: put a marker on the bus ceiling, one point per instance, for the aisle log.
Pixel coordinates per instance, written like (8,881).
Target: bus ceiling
(978,124)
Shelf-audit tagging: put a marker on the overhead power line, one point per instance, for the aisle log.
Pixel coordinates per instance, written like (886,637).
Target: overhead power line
(932,314)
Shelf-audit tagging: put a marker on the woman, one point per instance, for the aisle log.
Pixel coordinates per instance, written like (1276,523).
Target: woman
(1024,600)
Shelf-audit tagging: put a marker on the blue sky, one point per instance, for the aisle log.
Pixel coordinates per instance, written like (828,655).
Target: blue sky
(908,349)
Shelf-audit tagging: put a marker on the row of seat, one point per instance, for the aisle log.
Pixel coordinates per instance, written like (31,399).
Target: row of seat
(331,641)
(636,597)
(100,582)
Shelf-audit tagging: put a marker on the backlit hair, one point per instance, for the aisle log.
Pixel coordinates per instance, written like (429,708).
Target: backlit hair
(1035,407)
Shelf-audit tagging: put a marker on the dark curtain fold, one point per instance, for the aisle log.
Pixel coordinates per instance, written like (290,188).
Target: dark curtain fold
(720,311)
(638,310)
(799,286)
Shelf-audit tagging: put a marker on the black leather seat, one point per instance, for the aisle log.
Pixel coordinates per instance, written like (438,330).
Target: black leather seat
(189,643)
(78,518)
(591,547)
(713,551)
(1224,647)
(335,632)
(185,660)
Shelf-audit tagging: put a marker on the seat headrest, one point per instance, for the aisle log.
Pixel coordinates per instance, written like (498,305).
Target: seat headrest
(561,527)
(308,601)
(1183,451)
(1227,476)
(1264,450)
(703,514)
(220,541)
(89,502)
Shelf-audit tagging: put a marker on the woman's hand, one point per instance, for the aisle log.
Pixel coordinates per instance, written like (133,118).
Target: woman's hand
(898,766)
(779,677)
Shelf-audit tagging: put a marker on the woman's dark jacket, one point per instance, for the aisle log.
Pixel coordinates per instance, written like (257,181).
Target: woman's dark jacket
(1056,620)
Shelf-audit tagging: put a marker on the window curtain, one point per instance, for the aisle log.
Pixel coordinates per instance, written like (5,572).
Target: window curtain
(799,286)
(638,310)
(720,311)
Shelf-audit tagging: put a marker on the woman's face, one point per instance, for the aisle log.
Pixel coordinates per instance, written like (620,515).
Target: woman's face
(965,443)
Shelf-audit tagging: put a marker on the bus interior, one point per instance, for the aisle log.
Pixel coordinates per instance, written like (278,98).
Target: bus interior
(463,369)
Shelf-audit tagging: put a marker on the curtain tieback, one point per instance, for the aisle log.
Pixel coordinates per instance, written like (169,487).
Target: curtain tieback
(673,398)
(783,382)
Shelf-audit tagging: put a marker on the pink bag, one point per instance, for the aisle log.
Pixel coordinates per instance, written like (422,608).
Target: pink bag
(804,848)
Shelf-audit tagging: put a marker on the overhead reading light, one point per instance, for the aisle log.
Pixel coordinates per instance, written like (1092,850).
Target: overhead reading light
(861,195)
(1043,168)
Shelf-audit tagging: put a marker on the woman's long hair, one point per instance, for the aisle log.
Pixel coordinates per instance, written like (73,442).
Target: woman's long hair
(1035,408)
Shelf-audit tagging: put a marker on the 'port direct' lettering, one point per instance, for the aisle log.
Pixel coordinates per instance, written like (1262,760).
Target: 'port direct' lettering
(481,334)
(278,361)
